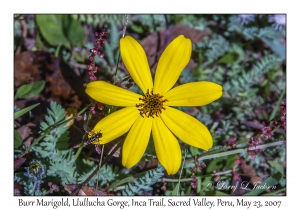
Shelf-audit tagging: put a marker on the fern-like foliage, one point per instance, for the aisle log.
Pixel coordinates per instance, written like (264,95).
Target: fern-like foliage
(62,171)
(242,80)
(108,173)
(144,183)
(111,47)
(213,48)
(55,114)
(151,22)
(99,19)
(268,35)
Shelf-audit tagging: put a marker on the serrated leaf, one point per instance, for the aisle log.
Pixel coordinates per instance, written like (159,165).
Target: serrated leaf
(51,28)
(30,90)
(109,53)
(114,39)
(276,46)
(24,111)
(17,139)
(49,120)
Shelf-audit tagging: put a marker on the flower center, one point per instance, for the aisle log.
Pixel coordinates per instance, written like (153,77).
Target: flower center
(152,104)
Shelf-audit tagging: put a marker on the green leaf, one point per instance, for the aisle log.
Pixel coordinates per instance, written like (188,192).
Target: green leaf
(275,192)
(128,179)
(277,166)
(41,43)
(62,142)
(194,151)
(279,101)
(24,111)
(136,28)
(73,31)
(220,163)
(114,35)
(30,90)
(199,184)
(17,139)
(51,28)
(109,53)
(228,58)
(174,192)
(269,183)
(150,150)
(277,47)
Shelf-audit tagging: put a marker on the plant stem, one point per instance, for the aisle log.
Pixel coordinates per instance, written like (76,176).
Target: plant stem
(277,105)
(123,34)
(190,179)
(185,152)
(237,151)
(49,129)
(75,192)
(100,163)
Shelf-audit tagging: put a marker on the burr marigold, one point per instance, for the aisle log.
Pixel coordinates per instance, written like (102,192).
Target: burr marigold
(153,111)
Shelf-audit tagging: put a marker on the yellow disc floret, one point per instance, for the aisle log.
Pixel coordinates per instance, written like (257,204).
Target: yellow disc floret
(152,104)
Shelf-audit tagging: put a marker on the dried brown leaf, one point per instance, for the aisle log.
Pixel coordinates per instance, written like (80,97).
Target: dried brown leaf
(86,190)
(18,162)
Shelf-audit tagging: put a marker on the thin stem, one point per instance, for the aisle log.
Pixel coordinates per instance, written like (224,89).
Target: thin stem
(185,152)
(82,142)
(190,179)
(277,105)
(49,129)
(123,34)
(100,162)
(277,143)
(211,156)
(237,151)
(75,192)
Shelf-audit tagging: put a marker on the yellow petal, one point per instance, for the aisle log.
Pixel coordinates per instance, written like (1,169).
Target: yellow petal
(107,93)
(187,128)
(171,63)
(193,94)
(135,60)
(116,124)
(166,146)
(136,141)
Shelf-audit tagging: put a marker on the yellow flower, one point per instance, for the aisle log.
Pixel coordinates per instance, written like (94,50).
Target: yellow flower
(152,111)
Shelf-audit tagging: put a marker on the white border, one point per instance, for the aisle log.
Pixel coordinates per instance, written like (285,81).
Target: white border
(153,6)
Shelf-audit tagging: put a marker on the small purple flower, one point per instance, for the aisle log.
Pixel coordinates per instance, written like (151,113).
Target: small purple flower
(92,109)
(278,21)
(246,18)
(98,43)
(201,166)
(231,143)
(236,176)
(194,182)
(98,149)
(30,80)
